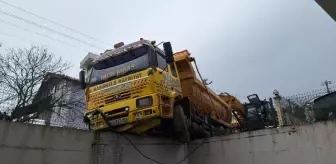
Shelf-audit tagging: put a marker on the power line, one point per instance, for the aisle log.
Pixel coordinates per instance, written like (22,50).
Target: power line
(192,151)
(46,36)
(206,88)
(23,39)
(51,21)
(49,29)
(19,38)
(156,161)
(144,155)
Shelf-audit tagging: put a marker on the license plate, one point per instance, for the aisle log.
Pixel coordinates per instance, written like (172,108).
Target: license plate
(118,121)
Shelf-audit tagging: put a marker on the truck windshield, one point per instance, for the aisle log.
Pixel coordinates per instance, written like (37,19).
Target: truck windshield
(125,63)
(251,111)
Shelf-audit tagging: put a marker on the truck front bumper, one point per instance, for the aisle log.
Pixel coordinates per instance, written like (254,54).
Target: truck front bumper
(124,113)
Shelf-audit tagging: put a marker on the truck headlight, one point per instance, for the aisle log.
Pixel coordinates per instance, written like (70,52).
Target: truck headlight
(92,115)
(89,115)
(143,102)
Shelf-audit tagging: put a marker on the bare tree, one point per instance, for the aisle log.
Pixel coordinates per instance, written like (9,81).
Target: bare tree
(24,71)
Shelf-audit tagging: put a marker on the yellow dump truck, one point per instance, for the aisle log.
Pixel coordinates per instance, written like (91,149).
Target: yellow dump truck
(141,88)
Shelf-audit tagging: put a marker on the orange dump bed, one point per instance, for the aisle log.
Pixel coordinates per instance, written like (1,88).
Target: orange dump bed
(193,88)
(234,104)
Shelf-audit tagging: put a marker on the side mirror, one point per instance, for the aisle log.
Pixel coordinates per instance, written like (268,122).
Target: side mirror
(82,79)
(169,52)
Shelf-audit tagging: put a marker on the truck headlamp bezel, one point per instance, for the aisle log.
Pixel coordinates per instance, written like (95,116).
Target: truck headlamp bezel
(144,102)
(93,115)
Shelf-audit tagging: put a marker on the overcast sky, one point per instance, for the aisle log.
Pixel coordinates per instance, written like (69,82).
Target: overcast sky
(243,47)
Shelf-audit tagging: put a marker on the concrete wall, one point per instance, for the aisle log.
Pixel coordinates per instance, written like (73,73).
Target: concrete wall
(301,145)
(34,144)
(115,149)
(291,145)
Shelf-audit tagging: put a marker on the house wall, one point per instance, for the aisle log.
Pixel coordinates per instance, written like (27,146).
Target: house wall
(75,115)
(64,116)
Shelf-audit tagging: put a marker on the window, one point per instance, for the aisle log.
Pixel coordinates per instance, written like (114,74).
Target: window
(161,62)
(121,58)
(123,64)
(251,111)
(173,70)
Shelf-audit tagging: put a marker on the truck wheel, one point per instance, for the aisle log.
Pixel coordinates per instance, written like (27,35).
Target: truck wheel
(203,132)
(194,130)
(180,124)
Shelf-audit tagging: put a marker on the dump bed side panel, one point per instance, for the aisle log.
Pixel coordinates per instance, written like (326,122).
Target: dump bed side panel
(194,89)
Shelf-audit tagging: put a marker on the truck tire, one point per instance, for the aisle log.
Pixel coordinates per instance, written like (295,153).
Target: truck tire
(180,124)
(203,132)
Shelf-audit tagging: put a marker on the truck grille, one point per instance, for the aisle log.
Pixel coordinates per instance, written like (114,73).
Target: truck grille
(116,111)
(118,116)
(134,92)
(116,97)
(117,93)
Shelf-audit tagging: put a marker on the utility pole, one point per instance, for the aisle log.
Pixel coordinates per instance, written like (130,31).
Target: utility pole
(278,108)
(326,84)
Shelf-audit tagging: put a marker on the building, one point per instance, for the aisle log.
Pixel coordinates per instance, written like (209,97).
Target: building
(325,107)
(65,100)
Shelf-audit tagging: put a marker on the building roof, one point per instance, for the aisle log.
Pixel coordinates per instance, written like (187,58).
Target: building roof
(49,75)
(50,80)
(321,98)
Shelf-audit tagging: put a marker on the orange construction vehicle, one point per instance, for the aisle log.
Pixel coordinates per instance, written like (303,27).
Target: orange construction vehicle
(238,109)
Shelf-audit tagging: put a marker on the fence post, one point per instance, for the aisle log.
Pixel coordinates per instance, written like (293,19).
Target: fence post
(278,108)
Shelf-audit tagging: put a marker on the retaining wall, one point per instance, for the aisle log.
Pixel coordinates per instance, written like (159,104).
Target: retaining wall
(308,144)
(35,144)
(305,144)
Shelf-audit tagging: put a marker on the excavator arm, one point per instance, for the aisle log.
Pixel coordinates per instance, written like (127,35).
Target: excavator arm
(238,109)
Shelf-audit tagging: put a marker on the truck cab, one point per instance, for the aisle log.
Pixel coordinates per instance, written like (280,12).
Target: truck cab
(259,113)
(131,88)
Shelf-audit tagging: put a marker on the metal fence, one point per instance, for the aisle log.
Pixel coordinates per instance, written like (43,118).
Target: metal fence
(301,109)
